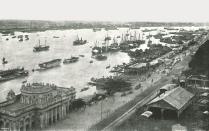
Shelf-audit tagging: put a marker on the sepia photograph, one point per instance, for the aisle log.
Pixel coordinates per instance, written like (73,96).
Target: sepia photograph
(104,65)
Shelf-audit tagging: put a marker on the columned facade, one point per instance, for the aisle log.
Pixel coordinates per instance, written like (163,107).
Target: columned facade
(39,106)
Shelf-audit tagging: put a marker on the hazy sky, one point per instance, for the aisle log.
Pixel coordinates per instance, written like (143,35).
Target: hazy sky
(106,10)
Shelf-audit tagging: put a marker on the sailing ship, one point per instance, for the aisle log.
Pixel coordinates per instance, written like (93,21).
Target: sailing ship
(50,64)
(107,38)
(114,46)
(10,74)
(79,41)
(71,60)
(40,47)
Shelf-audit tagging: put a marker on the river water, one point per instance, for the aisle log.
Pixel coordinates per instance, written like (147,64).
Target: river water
(74,74)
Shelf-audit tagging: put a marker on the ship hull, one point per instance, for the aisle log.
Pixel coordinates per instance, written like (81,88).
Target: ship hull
(14,76)
(50,64)
(68,61)
(38,49)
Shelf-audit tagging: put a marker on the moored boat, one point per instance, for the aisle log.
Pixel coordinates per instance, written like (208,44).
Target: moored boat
(10,74)
(50,64)
(56,37)
(96,29)
(71,60)
(82,55)
(107,67)
(100,57)
(21,39)
(84,89)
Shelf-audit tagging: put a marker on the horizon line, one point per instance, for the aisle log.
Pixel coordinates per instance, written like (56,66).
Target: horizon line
(111,21)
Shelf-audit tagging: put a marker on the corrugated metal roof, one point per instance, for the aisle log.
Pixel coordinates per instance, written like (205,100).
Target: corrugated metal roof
(176,97)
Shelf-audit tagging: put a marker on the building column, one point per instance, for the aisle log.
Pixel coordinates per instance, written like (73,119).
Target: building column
(46,118)
(17,126)
(67,110)
(42,121)
(24,126)
(55,114)
(30,122)
(60,112)
(52,116)
(178,115)
(13,126)
(64,111)
(162,113)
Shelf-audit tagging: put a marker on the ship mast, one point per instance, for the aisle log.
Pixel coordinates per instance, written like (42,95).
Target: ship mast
(139,37)
(39,42)
(45,41)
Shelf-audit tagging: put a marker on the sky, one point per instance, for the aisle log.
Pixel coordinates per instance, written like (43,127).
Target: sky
(106,10)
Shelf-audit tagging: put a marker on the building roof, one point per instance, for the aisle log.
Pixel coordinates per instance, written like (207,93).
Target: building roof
(37,88)
(176,97)
(198,77)
(168,87)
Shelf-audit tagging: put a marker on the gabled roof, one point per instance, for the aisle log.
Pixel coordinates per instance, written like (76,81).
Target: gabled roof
(176,97)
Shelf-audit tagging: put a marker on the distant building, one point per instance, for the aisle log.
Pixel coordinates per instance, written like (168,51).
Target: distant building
(38,106)
(197,81)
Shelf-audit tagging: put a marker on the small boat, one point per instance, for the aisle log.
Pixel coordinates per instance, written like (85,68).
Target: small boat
(56,37)
(71,60)
(91,61)
(84,89)
(14,36)
(50,64)
(20,36)
(26,37)
(100,57)
(24,81)
(82,55)
(4,61)
(107,67)
(21,39)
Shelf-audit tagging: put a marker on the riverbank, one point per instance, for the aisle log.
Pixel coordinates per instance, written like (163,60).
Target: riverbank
(105,111)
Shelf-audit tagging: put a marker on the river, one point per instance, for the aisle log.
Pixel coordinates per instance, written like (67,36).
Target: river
(76,74)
